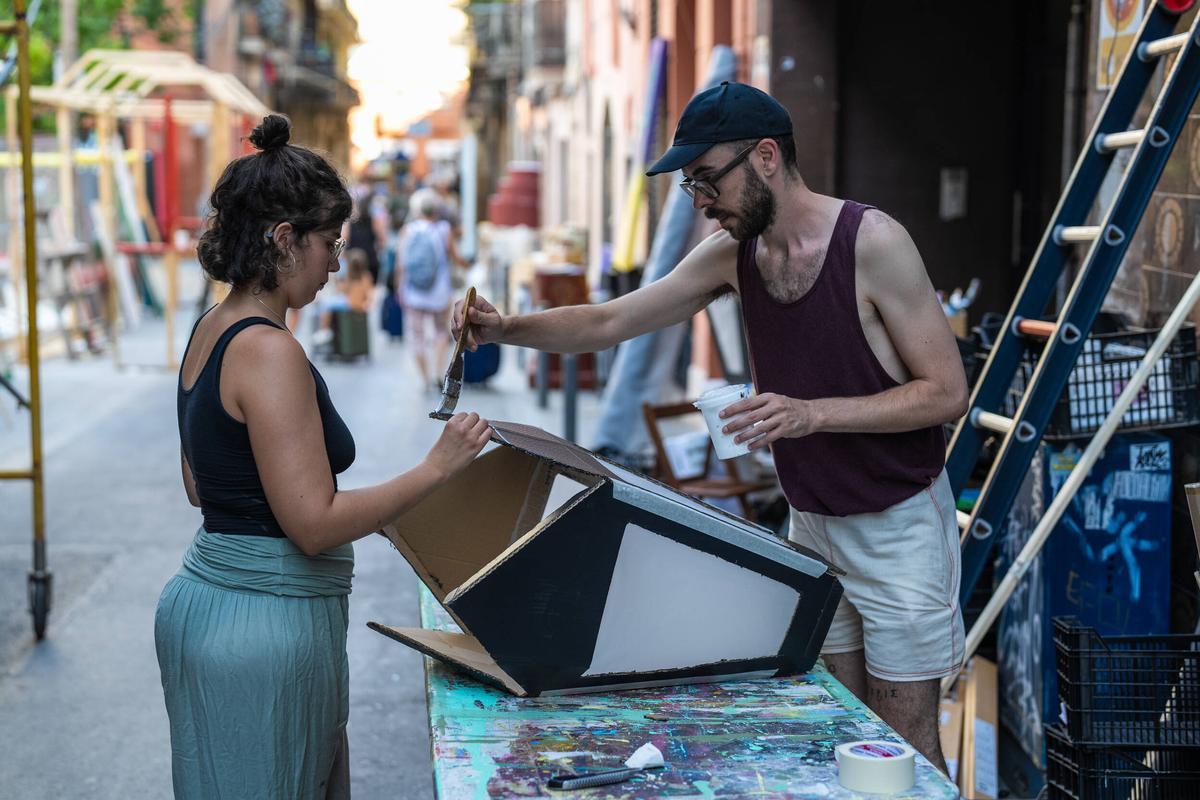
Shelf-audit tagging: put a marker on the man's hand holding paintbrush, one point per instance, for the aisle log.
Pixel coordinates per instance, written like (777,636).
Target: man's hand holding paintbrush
(484,326)
(583,328)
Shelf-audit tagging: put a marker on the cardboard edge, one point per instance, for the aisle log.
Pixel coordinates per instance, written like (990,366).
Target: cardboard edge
(401,544)
(516,546)
(392,532)
(751,675)
(500,426)
(807,646)
(632,494)
(424,641)
(724,671)
(741,522)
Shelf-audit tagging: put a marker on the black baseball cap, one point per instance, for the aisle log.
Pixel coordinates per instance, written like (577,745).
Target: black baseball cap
(726,113)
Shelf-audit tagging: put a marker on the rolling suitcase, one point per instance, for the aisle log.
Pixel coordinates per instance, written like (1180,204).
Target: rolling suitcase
(391,317)
(482,364)
(351,337)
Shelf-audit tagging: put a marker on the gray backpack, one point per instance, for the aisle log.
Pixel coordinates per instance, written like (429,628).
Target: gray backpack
(421,255)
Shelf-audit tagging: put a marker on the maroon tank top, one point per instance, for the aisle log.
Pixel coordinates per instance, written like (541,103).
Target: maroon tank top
(815,347)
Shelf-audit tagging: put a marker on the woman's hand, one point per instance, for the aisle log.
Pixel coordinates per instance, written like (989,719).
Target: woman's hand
(461,440)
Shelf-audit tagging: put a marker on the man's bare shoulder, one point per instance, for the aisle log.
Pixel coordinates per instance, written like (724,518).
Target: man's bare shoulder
(879,233)
(884,245)
(718,247)
(713,263)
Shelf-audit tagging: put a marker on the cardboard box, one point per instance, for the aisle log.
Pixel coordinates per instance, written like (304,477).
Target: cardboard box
(567,573)
(978,765)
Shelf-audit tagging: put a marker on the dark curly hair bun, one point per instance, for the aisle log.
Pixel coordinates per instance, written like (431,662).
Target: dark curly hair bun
(282,182)
(272,133)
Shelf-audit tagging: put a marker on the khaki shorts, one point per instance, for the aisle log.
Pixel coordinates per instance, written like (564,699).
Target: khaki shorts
(902,578)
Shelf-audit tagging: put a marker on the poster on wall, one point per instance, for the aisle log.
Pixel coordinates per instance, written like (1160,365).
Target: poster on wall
(1119,21)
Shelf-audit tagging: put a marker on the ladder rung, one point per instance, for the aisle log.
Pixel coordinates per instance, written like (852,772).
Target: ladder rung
(1076,234)
(1036,328)
(1161,47)
(998,423)
(991,422)
(1108,142)
(964,519)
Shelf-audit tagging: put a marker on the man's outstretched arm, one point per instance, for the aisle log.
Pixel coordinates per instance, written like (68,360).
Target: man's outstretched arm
(702,275)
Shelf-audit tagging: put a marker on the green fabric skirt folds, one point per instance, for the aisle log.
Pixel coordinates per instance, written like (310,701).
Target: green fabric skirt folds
(251,641)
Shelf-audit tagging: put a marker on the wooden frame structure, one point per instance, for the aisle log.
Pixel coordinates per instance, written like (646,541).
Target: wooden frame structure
(20,114)
(138,86)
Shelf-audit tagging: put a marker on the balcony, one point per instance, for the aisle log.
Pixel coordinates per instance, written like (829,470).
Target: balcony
(496,30)
(546,33)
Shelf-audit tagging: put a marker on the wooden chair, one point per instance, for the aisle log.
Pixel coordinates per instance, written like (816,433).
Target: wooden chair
(703,487)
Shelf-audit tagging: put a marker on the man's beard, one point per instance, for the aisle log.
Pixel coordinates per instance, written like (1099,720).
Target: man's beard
(757,208)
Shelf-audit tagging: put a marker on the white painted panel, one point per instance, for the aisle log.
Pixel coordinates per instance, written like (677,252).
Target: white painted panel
(562,491)
(708,521)
(670,606)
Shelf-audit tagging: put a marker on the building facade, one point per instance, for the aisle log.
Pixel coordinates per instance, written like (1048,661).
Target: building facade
(962,122)
(293,55)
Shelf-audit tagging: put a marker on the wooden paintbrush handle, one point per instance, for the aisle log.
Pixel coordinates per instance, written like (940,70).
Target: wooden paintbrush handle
(462,334)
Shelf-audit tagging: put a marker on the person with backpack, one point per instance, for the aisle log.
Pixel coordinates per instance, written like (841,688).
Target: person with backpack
(426,252)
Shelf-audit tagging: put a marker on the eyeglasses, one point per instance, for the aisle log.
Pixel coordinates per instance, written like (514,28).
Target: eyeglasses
(707,186)
(336,246)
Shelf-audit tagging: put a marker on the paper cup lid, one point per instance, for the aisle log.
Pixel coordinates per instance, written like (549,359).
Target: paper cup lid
(720,393)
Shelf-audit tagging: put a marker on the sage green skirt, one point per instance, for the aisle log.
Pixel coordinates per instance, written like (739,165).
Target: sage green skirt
(251,641)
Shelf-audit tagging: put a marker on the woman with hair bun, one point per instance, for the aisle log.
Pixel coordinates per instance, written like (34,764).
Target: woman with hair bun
(251,632)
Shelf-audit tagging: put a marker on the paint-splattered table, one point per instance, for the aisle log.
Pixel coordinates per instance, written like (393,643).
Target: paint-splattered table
(767,738)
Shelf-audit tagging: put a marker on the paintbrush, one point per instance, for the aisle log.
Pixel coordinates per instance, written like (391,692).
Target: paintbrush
(645,757)
(452,383)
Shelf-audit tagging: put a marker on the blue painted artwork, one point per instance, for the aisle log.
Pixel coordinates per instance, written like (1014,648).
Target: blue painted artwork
(1107,562)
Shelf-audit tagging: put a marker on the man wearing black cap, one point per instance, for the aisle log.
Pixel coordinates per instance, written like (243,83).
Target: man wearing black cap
(855,370)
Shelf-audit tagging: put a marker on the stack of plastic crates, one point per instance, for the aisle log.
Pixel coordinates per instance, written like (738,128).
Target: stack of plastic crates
(1168,399)
(1131,716)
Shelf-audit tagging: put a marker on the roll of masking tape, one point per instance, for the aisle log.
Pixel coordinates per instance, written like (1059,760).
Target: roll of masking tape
(877,767)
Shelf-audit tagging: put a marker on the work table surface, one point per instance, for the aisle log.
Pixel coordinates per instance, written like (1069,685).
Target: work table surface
(771,738)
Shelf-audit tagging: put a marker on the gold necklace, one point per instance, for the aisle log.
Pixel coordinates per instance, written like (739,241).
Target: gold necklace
(276,316)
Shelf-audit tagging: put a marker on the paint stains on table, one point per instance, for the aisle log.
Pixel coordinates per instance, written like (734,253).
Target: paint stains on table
(770,738)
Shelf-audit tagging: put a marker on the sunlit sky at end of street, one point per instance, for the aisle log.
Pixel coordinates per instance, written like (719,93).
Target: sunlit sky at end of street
(412,55)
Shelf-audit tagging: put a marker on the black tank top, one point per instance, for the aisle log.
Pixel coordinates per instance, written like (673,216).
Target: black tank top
(816,347)
(217,447)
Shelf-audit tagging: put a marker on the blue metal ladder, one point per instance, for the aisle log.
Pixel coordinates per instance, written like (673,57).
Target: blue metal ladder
(1107,243)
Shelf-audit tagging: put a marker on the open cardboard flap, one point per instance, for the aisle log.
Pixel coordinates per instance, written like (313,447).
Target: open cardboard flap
(459,649)
(537,442)
(465,522)
(567,573)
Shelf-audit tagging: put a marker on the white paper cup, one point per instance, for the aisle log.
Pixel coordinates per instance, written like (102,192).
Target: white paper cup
(711,404)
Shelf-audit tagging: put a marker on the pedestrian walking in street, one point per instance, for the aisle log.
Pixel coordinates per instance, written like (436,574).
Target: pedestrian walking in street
(251,632)
(363,231)
(425,258)
(855,368)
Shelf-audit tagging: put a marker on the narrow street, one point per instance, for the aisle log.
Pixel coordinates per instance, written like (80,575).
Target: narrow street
(81,713)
